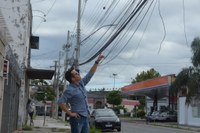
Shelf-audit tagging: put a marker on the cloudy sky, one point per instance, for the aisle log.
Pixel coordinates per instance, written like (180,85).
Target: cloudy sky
(158,36)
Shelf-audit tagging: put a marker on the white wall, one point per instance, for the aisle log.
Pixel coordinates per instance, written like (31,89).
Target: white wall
(185,114)
(129,107)
(3,43)
(2,56)
(17,16)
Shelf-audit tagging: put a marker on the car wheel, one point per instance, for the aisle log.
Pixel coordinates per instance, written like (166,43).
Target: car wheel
(119,129)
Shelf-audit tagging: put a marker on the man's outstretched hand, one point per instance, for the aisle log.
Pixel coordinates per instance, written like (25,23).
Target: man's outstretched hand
(100,57)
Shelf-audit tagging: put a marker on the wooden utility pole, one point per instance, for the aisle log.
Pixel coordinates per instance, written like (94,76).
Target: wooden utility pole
(54,87)
(57,86)
(66,48)
(78,36)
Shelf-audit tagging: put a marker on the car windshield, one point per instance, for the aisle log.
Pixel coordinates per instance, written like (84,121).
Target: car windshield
(164,114)
(155,113)
(105,113)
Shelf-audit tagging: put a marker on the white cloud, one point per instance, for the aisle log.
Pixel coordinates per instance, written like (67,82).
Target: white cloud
(136,57)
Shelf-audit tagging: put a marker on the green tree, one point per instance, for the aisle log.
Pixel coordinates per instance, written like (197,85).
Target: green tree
(114,98)
(149,74)
(44,89)
(189,78)
(48,92)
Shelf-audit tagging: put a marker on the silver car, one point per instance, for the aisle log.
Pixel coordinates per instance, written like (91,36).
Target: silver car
(167,116)
(153,116)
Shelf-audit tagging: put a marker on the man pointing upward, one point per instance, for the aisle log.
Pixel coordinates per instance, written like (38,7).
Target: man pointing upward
(76,96)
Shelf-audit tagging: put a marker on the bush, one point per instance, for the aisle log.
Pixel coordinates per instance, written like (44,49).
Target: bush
(117,109)
(140,113)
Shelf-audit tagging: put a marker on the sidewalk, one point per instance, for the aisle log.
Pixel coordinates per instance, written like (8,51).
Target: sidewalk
(49,125)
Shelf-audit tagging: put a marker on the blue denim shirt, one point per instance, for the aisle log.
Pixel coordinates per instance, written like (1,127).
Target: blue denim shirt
(76,96)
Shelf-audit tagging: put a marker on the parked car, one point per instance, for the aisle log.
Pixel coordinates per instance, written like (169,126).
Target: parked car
(168,116)
(105,119)
(153,116)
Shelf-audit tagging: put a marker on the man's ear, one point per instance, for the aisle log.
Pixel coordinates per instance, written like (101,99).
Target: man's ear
(72,79)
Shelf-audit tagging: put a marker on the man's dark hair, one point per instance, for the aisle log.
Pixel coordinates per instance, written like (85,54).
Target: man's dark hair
(68,74)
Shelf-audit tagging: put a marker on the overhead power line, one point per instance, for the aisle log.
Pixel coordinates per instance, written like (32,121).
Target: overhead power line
(133,13)
(163,26)
(133,33)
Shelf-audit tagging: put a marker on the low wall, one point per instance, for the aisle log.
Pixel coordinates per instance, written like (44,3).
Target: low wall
(187,114)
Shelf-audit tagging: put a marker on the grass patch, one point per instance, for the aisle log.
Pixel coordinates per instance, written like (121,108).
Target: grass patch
(60,130)
(94,130)
(27,128)
(66,123)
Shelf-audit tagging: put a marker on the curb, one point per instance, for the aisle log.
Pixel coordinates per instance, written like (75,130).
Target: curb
(176,126)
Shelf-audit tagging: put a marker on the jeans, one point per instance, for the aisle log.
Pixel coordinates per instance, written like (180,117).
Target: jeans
(31,117)
(79,125)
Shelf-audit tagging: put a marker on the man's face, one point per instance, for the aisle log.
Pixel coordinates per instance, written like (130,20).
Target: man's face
(75,76)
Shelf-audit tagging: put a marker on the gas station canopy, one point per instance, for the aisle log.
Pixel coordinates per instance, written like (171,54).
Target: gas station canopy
(157,86)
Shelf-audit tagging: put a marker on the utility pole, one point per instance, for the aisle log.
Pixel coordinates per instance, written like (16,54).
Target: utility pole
(54,87)
(57,86)
(66,48)
(78,36)
(45,108)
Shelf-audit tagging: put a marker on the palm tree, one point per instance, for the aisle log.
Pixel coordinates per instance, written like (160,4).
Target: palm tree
(196,52)
(189,78)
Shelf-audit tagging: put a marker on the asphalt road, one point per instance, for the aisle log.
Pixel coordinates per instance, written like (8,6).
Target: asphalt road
(141,127)
(128,126)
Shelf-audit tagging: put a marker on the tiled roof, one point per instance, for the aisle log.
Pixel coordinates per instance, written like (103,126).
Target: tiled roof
(130,102)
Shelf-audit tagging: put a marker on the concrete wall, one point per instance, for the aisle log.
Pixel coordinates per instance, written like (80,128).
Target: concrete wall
(186,114)
(3,43)
(2,56)
(18,19)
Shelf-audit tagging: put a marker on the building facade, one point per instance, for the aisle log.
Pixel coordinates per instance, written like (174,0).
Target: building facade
(16,42)
(3,45)
(17,18)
